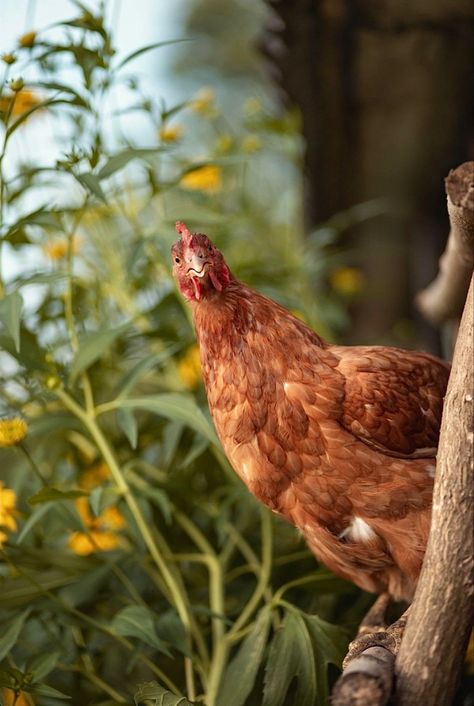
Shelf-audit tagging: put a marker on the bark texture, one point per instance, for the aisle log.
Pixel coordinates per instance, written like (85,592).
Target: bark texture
(367,681)
(445,296)
(441,618)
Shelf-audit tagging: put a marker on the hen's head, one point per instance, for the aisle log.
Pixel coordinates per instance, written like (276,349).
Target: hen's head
(198,266)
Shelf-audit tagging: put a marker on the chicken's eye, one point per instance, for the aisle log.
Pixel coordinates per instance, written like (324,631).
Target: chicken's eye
(177,260)
(209,247)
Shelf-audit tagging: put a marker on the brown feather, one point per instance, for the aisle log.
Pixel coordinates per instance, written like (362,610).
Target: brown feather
(338,440)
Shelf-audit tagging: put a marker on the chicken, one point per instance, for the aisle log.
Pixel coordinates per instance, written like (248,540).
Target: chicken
(340,441)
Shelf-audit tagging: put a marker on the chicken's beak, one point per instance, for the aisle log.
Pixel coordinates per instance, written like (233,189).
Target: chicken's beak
(195,264)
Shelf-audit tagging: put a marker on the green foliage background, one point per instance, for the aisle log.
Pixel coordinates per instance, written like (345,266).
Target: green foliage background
(206,598)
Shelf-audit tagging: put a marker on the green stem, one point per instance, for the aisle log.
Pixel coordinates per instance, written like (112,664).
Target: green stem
(91,424)
(264,575)
(222,647)
(33,464)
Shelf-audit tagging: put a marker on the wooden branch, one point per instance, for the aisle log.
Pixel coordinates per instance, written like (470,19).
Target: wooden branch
(367,680)
(443,299)
(431,655)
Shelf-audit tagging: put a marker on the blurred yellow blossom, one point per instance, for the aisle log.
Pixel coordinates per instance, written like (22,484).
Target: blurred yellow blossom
(207,178)
(7,512)
(203,102)
(102,530)
(171,133)
(8,58)
(94,476)
(224,143)
(189,368)
(251,143)
(12,431)
(17,84)
(27,39)
(347,280)
(25,100)
(252,106)
(57,249)
(10,698)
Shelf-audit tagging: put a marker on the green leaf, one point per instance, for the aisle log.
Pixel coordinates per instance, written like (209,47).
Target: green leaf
(128,424)
(45,690)
(121,159)
(31,356)
(171,630)
(40,278)
(19,591)
(138,621)
(92,346)
(32,521)
(175,406)
(162,697)
(56,86)
(148,47)
(91,183)
(329,646)
(10,634)
(44,663)
(39,217)
(143,365)
(10,316)
(290,656)
(239,677)
(46,495)
(24,116)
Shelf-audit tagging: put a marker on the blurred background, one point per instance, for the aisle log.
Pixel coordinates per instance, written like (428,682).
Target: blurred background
(310,140)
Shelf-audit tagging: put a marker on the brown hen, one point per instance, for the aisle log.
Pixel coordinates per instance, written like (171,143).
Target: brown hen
(341,441)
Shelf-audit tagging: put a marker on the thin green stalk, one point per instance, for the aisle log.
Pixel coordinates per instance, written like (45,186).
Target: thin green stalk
(292,584)
(2,187)
(91,424)
(221,649)
(124,490)
(264,575)
(33,464)
(96,680)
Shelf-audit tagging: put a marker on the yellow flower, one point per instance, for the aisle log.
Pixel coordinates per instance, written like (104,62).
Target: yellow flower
(207,178)
(12,431)
(7,512)
(252,106)
(57,249)
(347,280)
(203,102)
(27,40)
(251,143)
(94,476)
(102,530)
(171,133)
(189,368)
(9,698)
(25,99)
(224,143)
(9,58)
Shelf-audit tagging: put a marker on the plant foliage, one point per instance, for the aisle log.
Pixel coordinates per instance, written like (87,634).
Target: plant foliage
(133,564)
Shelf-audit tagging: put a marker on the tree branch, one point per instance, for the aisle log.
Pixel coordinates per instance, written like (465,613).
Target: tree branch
(443,299)
(441,617)
(367,680)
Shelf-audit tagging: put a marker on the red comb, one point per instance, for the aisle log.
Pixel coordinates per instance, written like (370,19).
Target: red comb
(184,232)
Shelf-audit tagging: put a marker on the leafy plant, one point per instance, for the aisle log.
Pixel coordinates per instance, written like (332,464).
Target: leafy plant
(130,553)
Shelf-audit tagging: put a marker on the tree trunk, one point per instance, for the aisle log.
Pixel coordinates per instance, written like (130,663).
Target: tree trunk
(384,93)
(441,618)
